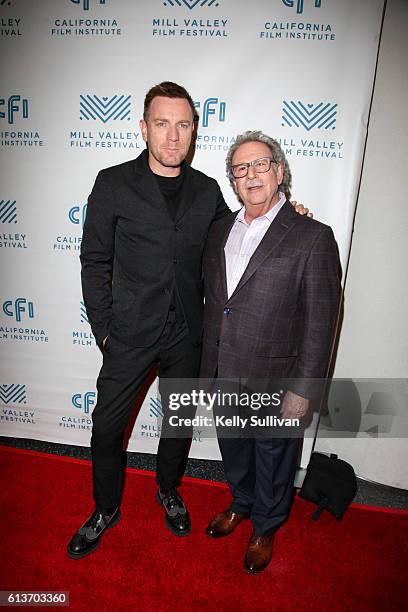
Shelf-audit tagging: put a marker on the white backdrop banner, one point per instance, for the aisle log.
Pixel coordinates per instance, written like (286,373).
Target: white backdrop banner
(74,76)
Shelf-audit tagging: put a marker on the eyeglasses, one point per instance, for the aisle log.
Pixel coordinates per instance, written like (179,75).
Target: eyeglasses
(262,164)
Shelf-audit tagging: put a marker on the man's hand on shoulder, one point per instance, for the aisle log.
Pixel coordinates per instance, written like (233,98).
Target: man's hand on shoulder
(301,210)
(294,406)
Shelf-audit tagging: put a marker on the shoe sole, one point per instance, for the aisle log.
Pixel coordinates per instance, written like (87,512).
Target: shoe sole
(168,524)
(73,555)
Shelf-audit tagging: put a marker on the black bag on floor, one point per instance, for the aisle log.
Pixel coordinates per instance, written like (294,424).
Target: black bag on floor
(330,483)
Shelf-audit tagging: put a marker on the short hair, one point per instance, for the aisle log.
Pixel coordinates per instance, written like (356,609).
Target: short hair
(167,89)
(276,152)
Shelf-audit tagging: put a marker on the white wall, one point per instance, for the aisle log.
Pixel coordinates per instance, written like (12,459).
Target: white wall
(374,334)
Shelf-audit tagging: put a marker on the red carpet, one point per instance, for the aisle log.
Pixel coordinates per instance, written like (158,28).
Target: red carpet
(358,564)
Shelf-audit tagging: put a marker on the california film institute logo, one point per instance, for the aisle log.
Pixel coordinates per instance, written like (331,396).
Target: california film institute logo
(13,398)
(71,242)
(84,401)
(91,24)
(19,309)
(299,4)
(211,109)
(321,115)
(79,417)
(19,321)
(212,117)
(104,108)
(77,214)
(13,106)
(15,130)
(85,3)
(300,21)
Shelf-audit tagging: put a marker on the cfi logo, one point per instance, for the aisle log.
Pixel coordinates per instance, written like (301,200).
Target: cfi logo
(93,107)
(77,214)
(84,401)
(298,114)
(299,4)
(16,308)
(155,407)
(85,3)
(15,104)
(84,314)
(211,106)
(8,211)
(13,394)
(191,4)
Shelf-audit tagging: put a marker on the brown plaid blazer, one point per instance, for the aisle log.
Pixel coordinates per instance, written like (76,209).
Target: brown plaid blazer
(280,320)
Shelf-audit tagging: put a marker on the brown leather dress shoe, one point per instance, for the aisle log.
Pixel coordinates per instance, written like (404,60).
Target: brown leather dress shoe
(225,523)
(259,553)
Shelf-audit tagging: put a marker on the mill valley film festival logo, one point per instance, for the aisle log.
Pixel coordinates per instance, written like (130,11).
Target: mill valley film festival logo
(10,25)
(14,110)
(92,24)
(111,111)
(191,4)
(83,338)
(8,217)
(298,114)
(198,25)
(21,311)
(156,412)
(319,118)
(13,397)
(8,211)
(94,108)
(306,23)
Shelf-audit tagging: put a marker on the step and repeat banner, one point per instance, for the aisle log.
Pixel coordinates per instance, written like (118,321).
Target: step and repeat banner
(74,76)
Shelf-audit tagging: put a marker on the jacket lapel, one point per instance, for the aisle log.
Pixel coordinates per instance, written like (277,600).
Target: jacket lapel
(224,231)
(278,230)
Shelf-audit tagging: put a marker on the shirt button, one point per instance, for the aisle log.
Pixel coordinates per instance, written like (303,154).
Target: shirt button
(175,261)
(227,311)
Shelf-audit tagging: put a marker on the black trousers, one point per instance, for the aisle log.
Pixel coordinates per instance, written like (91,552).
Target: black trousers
(122,374)
(260,473)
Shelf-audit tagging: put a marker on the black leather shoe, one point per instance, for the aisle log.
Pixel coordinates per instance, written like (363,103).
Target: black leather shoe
(87,538)
(177,518)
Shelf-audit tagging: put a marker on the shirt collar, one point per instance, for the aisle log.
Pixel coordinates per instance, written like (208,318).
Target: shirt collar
(270,215)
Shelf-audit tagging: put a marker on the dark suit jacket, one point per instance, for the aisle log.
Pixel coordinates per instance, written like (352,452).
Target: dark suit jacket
(279,322)
(133,253)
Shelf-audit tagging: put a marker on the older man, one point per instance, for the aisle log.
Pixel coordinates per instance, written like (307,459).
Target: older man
(146,225)
(272,289)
